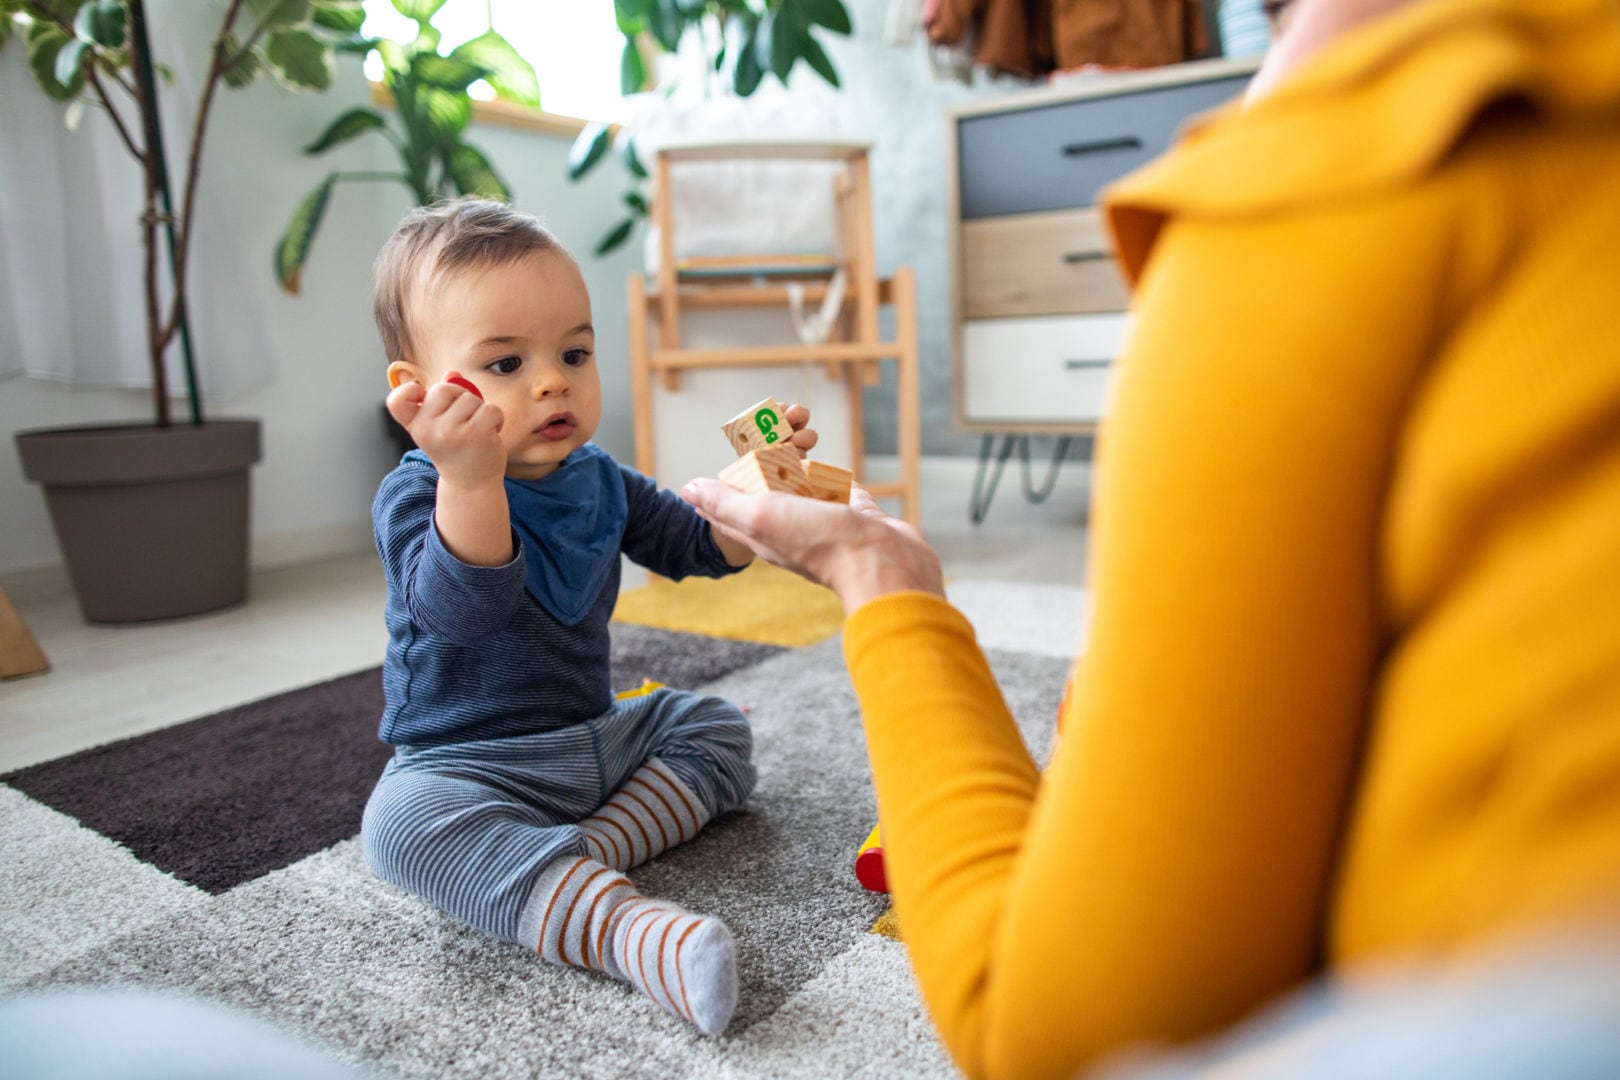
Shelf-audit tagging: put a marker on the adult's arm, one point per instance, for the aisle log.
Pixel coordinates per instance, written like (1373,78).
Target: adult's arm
(1171,868)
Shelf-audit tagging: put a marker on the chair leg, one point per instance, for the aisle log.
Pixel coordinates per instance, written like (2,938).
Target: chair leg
(909,390)
(641,404)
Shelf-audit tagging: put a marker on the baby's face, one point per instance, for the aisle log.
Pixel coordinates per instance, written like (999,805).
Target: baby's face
(522,334)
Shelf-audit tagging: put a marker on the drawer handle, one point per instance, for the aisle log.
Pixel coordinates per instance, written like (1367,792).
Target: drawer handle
(1077,365)
(1072,258)
(1102,146)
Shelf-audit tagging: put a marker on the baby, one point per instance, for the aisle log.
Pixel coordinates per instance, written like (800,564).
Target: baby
(520,789)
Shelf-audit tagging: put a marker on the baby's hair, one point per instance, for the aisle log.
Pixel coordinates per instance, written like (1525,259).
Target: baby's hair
(462,234)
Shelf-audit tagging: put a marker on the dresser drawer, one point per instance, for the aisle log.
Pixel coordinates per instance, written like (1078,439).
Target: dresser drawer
(1044,369)
(1058,263)
(1053,157)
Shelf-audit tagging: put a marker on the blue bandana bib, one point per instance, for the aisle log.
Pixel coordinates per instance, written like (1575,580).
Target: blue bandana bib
(570,525)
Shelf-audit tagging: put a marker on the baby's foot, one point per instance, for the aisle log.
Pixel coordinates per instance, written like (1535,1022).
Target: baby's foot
(685,962)
(590,916)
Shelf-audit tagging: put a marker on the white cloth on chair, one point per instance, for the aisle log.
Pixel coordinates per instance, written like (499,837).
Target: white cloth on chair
(817,326)
(741,207)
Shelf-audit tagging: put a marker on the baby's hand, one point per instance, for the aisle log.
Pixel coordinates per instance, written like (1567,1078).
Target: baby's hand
(455,428)
(804,437)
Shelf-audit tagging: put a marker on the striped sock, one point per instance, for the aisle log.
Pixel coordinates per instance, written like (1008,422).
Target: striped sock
(651,813)
(590,916)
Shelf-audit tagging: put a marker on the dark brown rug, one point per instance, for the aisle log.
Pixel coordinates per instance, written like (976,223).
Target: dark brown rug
(230,797)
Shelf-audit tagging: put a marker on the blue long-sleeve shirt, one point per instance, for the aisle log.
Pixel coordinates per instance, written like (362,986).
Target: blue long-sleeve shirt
(471,654)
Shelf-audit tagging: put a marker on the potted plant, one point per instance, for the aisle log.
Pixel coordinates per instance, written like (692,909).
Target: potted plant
(152,518)
(432,107)
(739,43)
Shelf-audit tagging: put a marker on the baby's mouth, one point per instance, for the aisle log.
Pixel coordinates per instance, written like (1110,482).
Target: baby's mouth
(559,427)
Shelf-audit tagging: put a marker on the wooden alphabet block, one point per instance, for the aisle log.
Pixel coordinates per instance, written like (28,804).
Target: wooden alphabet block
(828,482)
(764,424)
(770,468)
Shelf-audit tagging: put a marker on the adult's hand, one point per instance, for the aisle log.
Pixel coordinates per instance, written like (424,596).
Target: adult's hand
(857,551)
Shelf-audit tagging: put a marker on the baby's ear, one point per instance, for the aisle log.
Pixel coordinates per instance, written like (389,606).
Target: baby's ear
(402,371)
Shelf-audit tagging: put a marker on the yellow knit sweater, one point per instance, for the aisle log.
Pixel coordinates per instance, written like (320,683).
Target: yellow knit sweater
(1353,681)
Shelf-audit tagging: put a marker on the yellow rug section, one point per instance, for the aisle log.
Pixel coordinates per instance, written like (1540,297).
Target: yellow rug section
(764,603)
(887,925)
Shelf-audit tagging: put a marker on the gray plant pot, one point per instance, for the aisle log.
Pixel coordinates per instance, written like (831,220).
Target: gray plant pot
(153,522)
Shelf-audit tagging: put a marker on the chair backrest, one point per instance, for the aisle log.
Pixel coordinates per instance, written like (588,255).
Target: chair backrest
(745,210)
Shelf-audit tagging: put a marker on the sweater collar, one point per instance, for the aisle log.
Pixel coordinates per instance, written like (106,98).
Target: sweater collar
(1378,107)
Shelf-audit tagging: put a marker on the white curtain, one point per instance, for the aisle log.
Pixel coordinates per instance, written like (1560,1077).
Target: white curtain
(71,294)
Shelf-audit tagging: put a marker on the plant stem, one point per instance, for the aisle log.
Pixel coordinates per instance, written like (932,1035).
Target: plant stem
(106,103)
(199,125)
(155,340)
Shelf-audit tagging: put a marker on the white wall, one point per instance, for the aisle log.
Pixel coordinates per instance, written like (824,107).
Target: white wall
(324,445)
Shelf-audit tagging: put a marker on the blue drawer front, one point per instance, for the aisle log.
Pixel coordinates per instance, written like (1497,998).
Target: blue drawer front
(1055,157)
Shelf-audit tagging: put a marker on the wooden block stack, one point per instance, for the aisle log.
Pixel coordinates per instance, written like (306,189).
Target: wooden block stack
(767,463)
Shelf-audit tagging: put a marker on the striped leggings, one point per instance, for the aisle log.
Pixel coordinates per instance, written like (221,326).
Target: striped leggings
(470,825)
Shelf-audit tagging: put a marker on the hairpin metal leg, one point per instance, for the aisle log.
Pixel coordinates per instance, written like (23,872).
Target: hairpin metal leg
(984,487)
(1051,470)
(979,502)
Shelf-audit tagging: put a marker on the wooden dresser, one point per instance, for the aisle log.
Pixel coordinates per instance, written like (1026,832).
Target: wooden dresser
(1039,309)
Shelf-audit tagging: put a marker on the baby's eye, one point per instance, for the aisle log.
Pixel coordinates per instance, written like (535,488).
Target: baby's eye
(576,357)
(505,365)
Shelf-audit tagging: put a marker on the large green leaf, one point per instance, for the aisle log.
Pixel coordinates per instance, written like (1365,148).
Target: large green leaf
(447,113)
(818,59)
(588,149)
(746,74)
(632,69)
(346,127)
(473,174)
(446,72)
(616,236)
(420,10)
(667,24)
(276,14)
(507,73)
(292,250)
(776,43)
(634,16)
(829,13)
(345,16)
(101,21)
(300,60)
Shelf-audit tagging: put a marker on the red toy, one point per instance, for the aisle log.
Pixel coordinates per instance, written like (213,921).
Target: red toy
(869,864)
(465,384)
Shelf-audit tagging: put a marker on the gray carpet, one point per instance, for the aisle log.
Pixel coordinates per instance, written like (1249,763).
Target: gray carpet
(99,888)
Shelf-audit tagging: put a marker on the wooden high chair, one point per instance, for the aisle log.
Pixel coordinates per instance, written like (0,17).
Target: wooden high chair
(852,353)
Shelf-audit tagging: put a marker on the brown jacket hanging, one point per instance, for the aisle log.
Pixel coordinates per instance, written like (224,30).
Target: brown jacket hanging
(1033,37)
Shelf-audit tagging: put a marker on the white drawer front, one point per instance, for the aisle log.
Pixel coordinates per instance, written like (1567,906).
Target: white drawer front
(1044,368)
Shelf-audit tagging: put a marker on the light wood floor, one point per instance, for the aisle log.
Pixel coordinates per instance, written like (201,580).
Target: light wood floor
(308,623)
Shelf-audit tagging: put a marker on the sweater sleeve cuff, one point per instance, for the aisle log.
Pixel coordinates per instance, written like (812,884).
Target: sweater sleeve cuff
(876,622)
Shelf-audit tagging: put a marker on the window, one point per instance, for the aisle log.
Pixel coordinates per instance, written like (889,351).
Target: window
(574,46)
